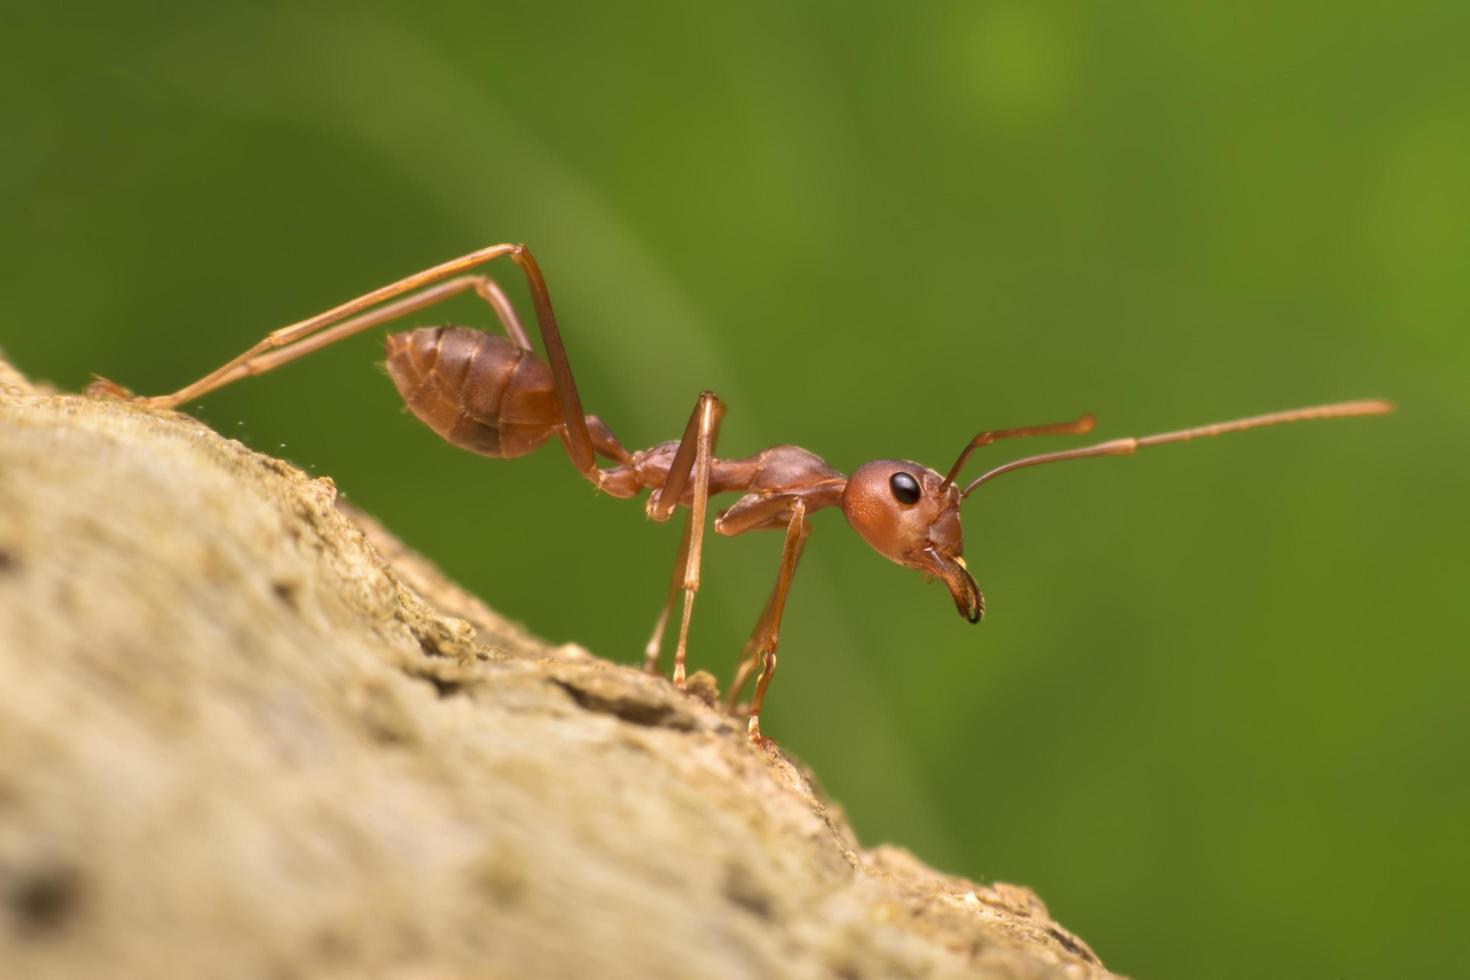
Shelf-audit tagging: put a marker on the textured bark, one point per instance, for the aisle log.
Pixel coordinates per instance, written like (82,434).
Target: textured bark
(244,732)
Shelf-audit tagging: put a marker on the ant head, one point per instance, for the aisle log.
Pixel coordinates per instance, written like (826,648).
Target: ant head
(911,515)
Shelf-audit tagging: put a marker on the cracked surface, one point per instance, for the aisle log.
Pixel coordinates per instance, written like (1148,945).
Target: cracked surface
(244,732)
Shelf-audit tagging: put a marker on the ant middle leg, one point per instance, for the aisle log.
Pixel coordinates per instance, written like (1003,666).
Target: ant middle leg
(750,658)
(691,463)
(676,577)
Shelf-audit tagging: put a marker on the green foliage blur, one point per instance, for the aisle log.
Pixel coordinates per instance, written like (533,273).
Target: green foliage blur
(1217,715)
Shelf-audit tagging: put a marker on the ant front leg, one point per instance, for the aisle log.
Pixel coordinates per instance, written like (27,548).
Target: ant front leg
(691,461)
(760,649)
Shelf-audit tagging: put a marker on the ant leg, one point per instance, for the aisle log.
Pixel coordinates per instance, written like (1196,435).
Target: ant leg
(489,290)
(578,438)
(621,479)
(656,641)
(230,370)
(605,442)
(768,631)
(754,513)
(750,657)
(484,287)
(691,460)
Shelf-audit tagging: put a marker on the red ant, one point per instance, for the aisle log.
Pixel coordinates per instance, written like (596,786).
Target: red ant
(491,395)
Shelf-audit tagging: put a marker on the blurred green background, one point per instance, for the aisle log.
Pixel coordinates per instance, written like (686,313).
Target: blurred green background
(1217,716)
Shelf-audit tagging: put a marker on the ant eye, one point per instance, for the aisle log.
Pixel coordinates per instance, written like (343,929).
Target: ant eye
(905,488)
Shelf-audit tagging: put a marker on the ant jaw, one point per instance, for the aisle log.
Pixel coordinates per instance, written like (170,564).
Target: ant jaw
(952,571)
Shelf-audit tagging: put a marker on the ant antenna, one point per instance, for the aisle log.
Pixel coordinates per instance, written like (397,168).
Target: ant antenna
(1131,444)
(1074,428)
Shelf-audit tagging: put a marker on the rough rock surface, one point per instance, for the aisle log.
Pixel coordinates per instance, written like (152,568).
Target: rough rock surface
(244,733)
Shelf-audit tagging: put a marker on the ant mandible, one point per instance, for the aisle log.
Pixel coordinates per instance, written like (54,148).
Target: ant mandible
(492,395)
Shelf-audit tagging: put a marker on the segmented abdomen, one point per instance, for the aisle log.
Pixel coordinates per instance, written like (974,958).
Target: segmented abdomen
(479,391)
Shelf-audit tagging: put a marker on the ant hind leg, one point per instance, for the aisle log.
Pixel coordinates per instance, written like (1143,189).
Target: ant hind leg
(252,361)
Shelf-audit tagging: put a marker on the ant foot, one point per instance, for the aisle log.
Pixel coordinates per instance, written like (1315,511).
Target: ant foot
(753,732)
(101,387)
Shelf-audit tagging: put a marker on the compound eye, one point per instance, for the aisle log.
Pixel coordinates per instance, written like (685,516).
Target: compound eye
(905,488)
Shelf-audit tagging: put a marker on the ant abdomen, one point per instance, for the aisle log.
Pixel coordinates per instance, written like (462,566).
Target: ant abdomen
(479,391)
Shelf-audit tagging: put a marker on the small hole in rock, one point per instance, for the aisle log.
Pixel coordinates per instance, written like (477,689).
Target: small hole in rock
(42,899)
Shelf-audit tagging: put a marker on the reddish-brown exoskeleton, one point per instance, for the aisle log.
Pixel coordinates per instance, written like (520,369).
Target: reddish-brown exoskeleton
(491,395)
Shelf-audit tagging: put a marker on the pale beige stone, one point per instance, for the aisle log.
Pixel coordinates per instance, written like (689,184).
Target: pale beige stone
(245,733)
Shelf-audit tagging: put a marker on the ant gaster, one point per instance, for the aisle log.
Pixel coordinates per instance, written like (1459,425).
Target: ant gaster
(491,395)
